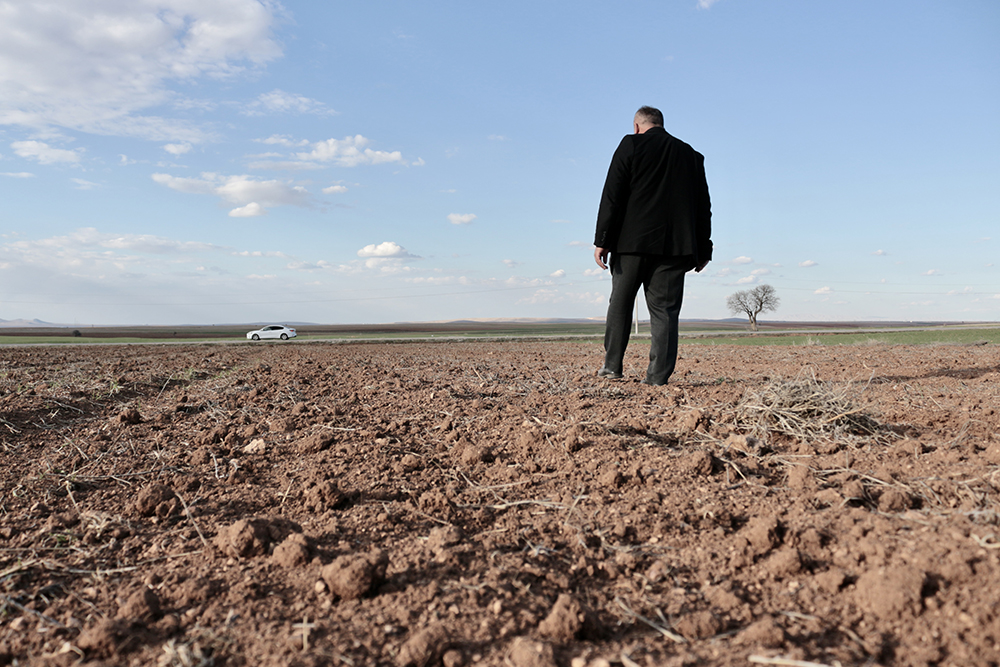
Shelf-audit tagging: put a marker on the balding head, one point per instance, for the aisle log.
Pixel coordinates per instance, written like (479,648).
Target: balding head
(647,117)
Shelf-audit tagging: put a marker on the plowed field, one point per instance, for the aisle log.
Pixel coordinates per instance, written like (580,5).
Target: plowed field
(489,503)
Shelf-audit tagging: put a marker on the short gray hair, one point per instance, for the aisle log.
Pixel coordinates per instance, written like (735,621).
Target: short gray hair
(649,116)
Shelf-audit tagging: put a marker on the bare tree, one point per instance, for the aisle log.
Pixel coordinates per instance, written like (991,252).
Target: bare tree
(753,302)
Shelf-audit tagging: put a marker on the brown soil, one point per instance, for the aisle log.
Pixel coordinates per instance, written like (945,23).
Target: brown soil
(497,504)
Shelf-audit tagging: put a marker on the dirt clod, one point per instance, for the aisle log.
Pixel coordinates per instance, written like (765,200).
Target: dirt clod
(565,620)
(157,499)
(293,551)
(354,576)
(142,606)
(525,652)
(425,647)
(129,416)
(699,463)
(762,534)
(443,536)
(248,538)
(698,625)
(891,593)
(763,633)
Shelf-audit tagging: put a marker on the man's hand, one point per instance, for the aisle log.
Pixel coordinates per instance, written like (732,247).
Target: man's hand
(601,257)
(701,267)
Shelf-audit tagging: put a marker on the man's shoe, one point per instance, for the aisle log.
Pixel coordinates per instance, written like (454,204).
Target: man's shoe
(609,374)
(654,384)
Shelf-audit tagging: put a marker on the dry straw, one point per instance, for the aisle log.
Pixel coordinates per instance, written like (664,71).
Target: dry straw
(802,409)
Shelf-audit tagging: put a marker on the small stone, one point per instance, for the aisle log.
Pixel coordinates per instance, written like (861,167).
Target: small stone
(256,446)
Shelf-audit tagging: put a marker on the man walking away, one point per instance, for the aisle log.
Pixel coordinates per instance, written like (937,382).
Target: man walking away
(655,221)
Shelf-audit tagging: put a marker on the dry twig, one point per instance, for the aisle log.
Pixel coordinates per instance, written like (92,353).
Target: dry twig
(673,636)
(786,662)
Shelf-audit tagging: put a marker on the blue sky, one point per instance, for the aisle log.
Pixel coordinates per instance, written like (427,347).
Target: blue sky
(213,161)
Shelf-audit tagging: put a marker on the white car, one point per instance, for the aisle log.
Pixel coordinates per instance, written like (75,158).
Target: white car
(272,331)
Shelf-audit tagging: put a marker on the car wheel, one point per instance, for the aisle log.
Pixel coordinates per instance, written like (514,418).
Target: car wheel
(284,336)
(256,337)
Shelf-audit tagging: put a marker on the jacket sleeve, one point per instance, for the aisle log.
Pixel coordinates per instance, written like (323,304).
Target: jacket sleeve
(614,198)
(704,213)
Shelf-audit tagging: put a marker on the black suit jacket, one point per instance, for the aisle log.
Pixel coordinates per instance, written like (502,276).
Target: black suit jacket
(655,199)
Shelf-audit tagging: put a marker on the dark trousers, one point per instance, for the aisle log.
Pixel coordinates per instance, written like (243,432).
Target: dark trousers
(662,279)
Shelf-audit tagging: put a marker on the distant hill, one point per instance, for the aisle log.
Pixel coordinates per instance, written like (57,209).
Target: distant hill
(34,324)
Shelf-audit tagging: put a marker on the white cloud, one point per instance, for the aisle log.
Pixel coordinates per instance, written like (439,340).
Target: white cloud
(251,210)
(43,153)
(461,218)
(96,65)
(177,149)
(931,272)
(385,250)
(706,4)
(252,197)
(309,266)
(278,101)
(498,137)
(335,190)
(239,189)
(84,185)
(283,140)
(348,152)
(880,252)
(518,281)
(743,260)
(596,271)
(198,186)
(579,244)
(808,263)
(823,290)
(17,174)
(747,280)
(511,264)
(96,255)
(386,265)
(285,165)
(557,274)
(260,253)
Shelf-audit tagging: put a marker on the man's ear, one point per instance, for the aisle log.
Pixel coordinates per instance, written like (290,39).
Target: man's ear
(635,125)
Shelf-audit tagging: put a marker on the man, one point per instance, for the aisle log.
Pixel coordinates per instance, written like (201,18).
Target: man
(655,221)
